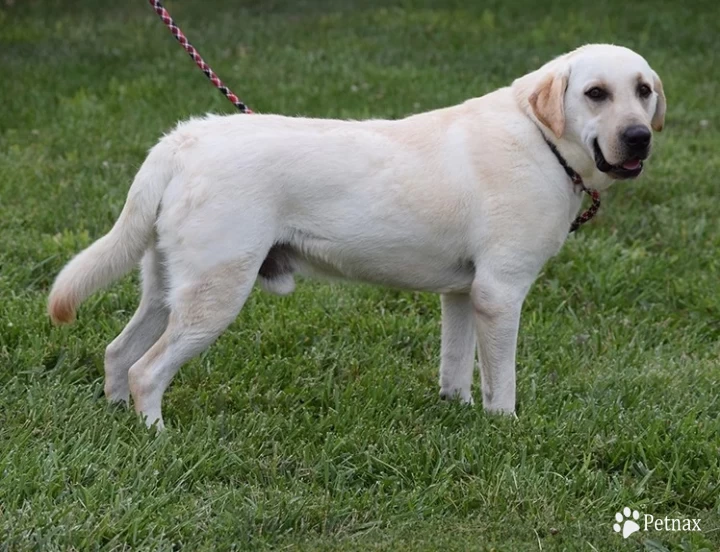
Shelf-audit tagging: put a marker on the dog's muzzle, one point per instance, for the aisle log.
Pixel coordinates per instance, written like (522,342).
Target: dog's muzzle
(636,143)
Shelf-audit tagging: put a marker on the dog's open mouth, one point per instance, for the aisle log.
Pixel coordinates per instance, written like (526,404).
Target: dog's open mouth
(629,169)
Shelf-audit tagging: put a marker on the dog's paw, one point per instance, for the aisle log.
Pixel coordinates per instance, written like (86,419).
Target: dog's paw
(462,395)
(117,393)
(508,411)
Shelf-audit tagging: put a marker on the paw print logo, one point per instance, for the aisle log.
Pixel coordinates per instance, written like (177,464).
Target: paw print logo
(627,522)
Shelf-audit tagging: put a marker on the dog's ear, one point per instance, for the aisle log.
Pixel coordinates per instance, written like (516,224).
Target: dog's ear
(658,118)
(548,100)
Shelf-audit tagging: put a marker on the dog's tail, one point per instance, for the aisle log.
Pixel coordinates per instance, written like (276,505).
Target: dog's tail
(118,251)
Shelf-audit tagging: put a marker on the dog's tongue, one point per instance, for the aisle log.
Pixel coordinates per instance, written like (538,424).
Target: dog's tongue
(631,165)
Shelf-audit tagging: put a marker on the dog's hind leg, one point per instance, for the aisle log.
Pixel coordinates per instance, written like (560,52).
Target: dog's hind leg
(202,305)
(146,326)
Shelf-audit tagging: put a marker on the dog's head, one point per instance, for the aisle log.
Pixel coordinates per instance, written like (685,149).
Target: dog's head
(605,99)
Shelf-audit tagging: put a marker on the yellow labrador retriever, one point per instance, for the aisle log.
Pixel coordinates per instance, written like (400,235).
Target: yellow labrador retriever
(468,201)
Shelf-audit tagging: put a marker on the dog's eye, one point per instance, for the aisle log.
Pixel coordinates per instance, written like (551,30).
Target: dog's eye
(644,90)
(596,93)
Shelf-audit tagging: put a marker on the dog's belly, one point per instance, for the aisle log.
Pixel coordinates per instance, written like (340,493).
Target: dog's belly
(389,265)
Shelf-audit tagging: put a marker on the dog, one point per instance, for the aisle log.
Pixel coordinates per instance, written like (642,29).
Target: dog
(467,201)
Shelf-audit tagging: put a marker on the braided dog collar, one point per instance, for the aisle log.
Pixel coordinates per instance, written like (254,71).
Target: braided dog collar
(577,180)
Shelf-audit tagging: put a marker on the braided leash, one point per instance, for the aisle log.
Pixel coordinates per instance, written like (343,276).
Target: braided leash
(589,213)
(193,53)
(576,179)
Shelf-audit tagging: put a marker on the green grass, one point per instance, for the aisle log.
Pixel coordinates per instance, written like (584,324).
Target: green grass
(314,422)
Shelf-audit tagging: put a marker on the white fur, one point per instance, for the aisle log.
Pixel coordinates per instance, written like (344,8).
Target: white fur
(466,201)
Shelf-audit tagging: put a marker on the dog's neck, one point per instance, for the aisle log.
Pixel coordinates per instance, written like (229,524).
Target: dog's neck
(575,156)
(579,160)
(579,184)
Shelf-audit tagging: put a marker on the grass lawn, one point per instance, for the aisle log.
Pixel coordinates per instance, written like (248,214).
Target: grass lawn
(314,422)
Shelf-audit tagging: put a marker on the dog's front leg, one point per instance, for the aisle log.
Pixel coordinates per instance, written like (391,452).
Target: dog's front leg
(457,353)
(497,317)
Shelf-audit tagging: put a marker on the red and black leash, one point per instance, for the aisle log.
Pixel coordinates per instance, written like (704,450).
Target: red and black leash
(576,179)
(199,61)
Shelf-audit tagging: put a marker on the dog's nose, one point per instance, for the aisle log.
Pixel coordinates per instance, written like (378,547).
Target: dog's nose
(637,137)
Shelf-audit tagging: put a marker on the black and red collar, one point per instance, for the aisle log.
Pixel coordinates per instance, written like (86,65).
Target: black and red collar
(577,180)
